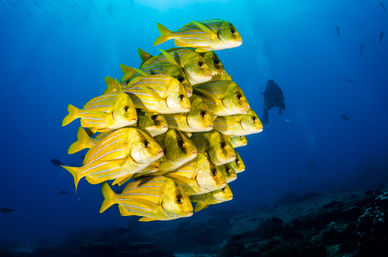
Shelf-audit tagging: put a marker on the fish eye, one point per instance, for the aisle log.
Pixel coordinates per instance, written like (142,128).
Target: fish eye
(238,96)
(214,172)
(202,113)
(180,143)
(232,30)
(237,161)
(153,117)
(223,144)
(181,97)
(126,108)
(152,72)
(216,62)
(200,64)
(227,169)
(253,118)
(179,199)
(181,79)
(146,143)
(223,189)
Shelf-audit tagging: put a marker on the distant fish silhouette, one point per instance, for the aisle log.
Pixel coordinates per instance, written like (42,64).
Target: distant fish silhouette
(350,81)
(345,117)
(273,97)
(382,6)
(361,50)
(381,36)
(56,162)
(63,192)
(6,210)
(338,31)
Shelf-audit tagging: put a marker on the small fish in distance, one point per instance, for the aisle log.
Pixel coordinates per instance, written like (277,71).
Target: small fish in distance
(345,117)
(273,97)
(56,162)
(361,50)
(6,210)
(350,81)
(382,6)
(337,28)
(381,37)
(63,192)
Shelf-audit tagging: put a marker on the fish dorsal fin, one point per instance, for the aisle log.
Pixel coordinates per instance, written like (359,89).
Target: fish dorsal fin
(112,85)
(129,72)
(169,58)
(146,219)
(144,56)
(205,29)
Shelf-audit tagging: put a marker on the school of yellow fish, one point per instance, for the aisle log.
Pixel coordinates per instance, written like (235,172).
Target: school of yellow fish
(169,128)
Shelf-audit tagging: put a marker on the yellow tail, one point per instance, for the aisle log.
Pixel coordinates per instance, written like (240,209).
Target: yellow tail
(83,141)
(165,34)
(73,114)
(75,172)
(144,56)
(109,196)
(122,180)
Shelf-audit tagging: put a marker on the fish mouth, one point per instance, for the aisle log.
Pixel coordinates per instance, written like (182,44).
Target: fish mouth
(160,153)
(188,213)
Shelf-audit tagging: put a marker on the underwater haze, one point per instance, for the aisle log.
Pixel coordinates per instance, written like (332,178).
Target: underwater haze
(329,57)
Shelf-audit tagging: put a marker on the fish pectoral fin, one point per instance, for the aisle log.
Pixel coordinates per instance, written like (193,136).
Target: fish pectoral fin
(205,29)
(121,180)
(200,206)
(146,219)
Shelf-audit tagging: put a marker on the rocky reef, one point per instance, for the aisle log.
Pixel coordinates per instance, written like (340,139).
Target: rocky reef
(351,224)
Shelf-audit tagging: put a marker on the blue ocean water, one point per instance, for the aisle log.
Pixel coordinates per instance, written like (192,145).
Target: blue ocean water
(53,53)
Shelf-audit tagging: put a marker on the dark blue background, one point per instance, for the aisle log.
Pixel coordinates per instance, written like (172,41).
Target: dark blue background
(53,53)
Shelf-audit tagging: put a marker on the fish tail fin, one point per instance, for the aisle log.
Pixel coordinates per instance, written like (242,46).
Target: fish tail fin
(200,206)
(109,197)
(165,34)
(83,141)
(76,174)
(73,114)
(144,56)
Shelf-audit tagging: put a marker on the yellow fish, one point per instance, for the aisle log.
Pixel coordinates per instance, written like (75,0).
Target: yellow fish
(123,152)
(103,113)
(158,93)
(228,172)
(238,141)
(198,176)
(238,125)
(156,198)
(215,197)
(216,145)
(191,62)
(204,35)
(199,118)
(214,63)
(237,165)
(224,97)
(163,68)
(154,123)
(178,149)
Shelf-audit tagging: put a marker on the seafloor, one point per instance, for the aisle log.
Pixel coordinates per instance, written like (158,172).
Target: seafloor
(336,224)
